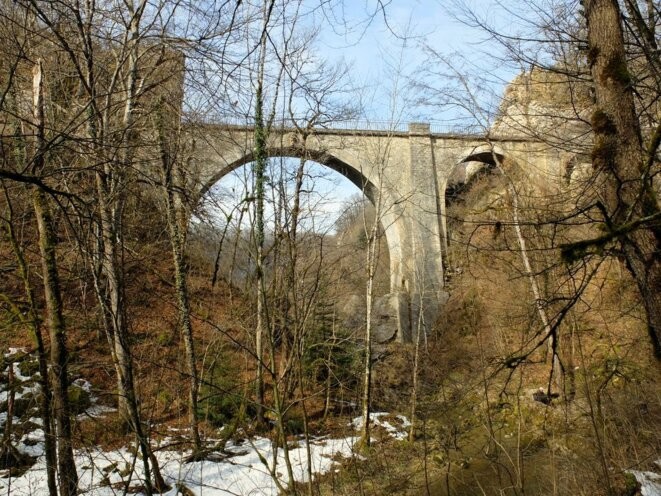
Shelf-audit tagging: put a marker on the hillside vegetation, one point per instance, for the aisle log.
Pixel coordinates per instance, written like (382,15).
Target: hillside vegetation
(156,342)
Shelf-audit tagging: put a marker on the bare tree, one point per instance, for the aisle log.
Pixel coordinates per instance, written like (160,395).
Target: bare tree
(174,184)
(68,477)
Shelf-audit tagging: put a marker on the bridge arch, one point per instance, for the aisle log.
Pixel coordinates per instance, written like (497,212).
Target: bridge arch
(490,156)
(473,165)
(391,218)
(462,176)
(351,172)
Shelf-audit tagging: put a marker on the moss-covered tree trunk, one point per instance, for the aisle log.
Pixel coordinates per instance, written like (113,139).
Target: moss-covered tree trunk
(59,378)
(259,172)
(622,163)
(183,302)
(177,220)
(33,319)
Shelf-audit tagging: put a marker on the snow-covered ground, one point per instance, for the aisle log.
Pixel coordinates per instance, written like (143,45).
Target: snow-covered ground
(650,482)
(247,471)
(104,473)
(380,419)
(247,468)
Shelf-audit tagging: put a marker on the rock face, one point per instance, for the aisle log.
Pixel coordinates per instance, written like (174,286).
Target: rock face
(352,311)
(384,315)
(554,108)
(392,314)
(544,104)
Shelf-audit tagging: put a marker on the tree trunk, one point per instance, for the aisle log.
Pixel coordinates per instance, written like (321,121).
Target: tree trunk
(371,260)
(416,366)
(68,477)
(176,219)
(259,169)
(183,302)
(114,304)
(619,158)
(46,397)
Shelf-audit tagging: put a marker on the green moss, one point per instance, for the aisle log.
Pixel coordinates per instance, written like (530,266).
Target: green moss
(616,69)
(573,252)
(592,55)
(28,368)
(603,155)
(631,486)
(79,400)
(165,338)
(602,123)
(164,397)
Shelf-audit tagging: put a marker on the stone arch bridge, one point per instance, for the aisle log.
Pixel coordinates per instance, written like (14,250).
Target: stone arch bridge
(404,173)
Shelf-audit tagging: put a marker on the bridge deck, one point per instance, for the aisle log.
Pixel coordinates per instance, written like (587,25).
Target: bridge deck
(376,128)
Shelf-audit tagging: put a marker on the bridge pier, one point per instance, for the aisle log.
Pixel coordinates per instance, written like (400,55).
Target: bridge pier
(424,273)
(415,240)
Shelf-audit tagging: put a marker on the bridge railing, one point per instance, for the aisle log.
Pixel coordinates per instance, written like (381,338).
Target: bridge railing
(435,127)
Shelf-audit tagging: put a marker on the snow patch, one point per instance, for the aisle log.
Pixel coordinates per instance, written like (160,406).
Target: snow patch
(83,384)
(242,473)
(254,468)
(650,482)
(32,444)
(14,351)
(377,419)
(95,410)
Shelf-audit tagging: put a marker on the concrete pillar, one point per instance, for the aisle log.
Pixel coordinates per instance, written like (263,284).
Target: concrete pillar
(423,272)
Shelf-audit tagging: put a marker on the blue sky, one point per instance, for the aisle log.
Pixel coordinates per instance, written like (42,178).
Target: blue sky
(380,51)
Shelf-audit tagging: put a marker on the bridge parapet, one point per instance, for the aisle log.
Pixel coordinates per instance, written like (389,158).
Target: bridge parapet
(353,126)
